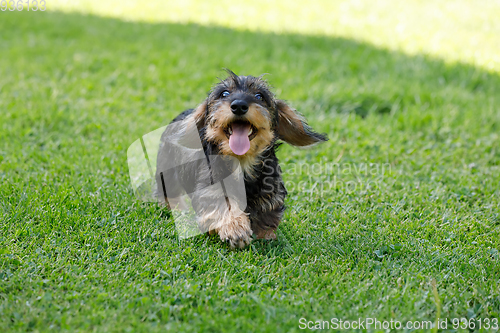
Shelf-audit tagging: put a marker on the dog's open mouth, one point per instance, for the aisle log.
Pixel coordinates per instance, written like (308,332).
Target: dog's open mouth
(240,133)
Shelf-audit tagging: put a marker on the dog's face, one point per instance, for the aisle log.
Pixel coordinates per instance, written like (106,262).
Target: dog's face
(243,118)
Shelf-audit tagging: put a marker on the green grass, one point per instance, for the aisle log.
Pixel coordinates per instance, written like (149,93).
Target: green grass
(78,252)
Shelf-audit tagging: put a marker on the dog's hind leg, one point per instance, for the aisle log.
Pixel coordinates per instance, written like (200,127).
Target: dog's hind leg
(264,224)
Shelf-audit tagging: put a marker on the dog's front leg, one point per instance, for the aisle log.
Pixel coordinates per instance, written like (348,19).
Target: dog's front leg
(229,222)
(233,226)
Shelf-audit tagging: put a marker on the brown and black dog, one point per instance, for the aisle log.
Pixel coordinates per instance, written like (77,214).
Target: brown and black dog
(241,118)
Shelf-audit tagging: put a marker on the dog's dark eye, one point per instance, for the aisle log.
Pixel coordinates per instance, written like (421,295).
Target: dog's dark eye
(225,93)
(259,96)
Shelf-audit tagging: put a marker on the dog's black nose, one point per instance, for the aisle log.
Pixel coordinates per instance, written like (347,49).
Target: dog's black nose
(239,107)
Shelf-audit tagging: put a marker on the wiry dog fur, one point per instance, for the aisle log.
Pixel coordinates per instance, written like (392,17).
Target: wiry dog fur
(272,121)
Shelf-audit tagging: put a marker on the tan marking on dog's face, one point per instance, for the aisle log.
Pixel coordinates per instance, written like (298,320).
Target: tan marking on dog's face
(199,114)
(221,117)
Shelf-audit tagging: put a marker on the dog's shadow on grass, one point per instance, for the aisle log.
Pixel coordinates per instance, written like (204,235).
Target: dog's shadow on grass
(268,248)
(272,248)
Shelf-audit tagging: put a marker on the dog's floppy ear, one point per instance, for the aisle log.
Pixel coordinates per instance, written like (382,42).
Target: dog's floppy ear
(200,114)
(187,134)
(293,128)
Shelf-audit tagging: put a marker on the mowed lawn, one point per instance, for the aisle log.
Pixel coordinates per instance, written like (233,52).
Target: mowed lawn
(396,217)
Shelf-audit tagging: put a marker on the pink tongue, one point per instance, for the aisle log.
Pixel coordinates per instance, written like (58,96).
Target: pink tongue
(238,141)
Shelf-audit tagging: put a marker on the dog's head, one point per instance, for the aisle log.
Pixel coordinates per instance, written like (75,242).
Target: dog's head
(242,116)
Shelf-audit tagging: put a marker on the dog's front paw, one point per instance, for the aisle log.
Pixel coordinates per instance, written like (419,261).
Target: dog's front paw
(236,232)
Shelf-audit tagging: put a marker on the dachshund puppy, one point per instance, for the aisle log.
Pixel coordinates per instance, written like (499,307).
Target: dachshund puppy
(242,123)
